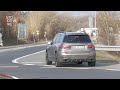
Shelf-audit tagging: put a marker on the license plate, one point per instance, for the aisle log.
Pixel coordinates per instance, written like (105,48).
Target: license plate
(78,47)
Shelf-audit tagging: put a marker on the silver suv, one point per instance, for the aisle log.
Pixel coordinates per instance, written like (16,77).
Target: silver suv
(71,47)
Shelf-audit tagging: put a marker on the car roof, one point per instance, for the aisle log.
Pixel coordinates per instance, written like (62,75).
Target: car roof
(74,33)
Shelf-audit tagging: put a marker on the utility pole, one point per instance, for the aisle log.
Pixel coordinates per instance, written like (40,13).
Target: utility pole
(97,32)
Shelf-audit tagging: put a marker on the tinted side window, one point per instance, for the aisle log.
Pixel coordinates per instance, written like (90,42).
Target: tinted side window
(77,39)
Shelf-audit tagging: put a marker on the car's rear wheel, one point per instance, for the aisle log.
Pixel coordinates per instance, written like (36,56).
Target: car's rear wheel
(57,63)
(47,60)
(91,64)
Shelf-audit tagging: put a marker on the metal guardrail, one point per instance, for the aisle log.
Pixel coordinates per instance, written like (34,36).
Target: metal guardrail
(107,48)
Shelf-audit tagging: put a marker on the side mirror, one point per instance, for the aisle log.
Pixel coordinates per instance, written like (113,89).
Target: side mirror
(50,43)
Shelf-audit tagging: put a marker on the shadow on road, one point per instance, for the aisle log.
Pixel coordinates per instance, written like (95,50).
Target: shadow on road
(99,63)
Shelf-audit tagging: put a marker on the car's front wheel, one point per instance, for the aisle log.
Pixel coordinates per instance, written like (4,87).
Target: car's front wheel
(47,60)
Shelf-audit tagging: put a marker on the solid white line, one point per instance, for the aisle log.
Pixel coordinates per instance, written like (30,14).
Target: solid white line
(32,62)
(28,64)
(52,66)
(14,77)
(48,66)
(16,60)
(113,69)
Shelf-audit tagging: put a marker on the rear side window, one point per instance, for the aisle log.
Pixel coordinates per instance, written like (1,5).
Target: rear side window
(55,38)
(77,39)
(58,40)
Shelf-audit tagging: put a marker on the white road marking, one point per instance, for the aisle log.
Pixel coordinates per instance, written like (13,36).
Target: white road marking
(33,62)
(14,77)
(87,68)
(6,75)
(48,66)
(53,66)
(16,60)
(113,69)
(28,64)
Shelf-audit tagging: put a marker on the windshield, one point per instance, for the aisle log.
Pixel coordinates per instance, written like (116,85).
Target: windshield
(77,39)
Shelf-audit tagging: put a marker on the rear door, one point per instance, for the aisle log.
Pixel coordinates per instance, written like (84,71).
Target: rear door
(56,45)
(50,51)
(56,42)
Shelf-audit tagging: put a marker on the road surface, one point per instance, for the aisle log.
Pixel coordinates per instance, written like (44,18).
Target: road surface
(27,64)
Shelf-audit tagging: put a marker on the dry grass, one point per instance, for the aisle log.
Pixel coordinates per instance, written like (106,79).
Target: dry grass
(103,56)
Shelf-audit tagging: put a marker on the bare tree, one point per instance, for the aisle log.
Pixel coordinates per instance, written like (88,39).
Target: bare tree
(52,23)
(107,22)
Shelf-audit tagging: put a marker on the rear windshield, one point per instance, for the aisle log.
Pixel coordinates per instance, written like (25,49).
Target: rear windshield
(77,39)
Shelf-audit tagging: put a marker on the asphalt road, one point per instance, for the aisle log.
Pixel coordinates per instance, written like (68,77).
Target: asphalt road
(33,67)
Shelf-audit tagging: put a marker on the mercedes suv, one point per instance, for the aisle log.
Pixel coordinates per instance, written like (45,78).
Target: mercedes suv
(71,47)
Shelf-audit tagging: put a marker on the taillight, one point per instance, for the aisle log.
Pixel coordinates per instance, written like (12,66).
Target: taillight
(64,47)
(90,46)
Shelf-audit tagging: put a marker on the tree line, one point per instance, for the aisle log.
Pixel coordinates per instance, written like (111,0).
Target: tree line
(108,24)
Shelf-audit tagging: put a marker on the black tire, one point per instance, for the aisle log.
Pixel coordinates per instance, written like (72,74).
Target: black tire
(57,63)
(47,60)
(79,62)
(91,64)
